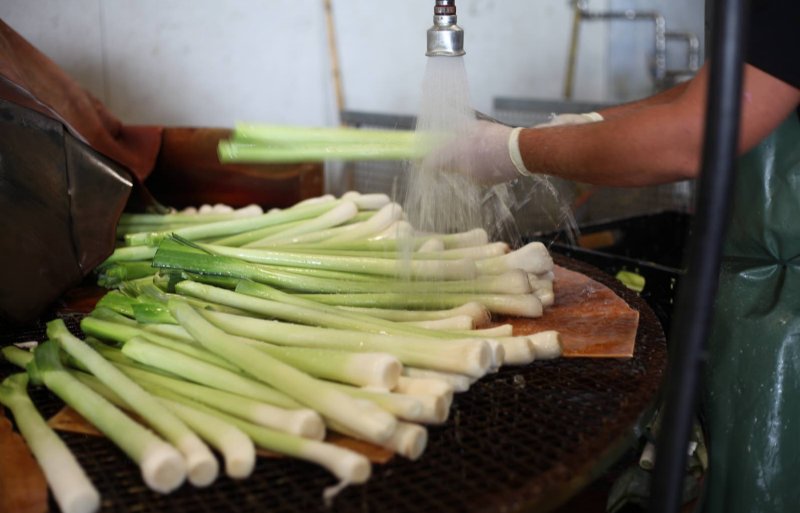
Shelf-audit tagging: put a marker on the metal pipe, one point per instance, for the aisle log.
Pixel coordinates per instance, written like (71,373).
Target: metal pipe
(445,37)
(659,32)
(692,48)
(694,309)
(582,13)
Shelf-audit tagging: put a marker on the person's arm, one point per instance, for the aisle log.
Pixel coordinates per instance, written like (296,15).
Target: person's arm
(665,96)
(656,143)
(571,118)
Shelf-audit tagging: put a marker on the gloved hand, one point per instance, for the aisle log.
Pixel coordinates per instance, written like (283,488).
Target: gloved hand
(489,152)
(484,153)
(571,119)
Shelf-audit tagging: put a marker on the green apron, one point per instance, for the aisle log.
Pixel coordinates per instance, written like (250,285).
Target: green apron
(752,396)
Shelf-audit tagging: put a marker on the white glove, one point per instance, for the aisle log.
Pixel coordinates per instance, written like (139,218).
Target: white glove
(487,154)
(571,119)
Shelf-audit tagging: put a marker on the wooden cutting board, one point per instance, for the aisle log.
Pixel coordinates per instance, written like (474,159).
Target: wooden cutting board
(593,321)
(23,488)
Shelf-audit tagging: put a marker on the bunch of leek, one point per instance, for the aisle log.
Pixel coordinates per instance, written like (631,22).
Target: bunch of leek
(241,328)
(256,143)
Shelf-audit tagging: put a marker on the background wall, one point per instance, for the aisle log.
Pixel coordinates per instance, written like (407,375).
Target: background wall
(212,63)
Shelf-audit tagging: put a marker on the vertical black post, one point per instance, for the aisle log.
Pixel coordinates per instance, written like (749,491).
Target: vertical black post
(694,309)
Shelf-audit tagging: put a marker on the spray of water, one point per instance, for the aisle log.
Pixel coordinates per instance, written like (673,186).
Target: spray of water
(440,199)
(437,199)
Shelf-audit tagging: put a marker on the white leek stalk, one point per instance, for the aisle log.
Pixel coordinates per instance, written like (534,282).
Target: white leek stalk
(303,422)
(480,314)
(408,440)
(459,382)
(235,446)
(346,465)
(518,350)
(339,214)
(418,269)
(531,258)
(546,344)
(199,371)
(202,466)
(459,322)
(72,489)
(370,201)
(427,409)
(424,386)
(231,227)
(370,423)
(163,468)
(467,356)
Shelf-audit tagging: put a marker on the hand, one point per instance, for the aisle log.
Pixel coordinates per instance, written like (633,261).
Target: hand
(482,153)
(571,119)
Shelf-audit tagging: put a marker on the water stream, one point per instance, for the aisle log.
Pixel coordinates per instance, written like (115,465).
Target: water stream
(439,198)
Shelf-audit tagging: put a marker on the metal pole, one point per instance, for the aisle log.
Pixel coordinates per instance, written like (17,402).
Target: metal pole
(694,310)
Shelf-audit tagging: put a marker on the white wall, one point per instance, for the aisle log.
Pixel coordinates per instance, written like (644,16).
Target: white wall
(631,45)
(514,48)
(188,62)
(212,63)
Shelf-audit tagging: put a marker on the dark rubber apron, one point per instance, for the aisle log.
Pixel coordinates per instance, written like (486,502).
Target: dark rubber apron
(752,397)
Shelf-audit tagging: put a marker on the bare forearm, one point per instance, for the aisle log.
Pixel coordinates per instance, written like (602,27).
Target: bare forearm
(663,97)
(645,147)
(657,140)
(651,141)
(654,141)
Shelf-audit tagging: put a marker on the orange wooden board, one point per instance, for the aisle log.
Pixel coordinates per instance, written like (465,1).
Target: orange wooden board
(23,488)
(593,321)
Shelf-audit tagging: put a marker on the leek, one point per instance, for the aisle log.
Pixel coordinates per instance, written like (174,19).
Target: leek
(240,263)
(521,305)
(305,423)
(459,322)
(279,134)
(370,423)
(230,152)
(424,386)
(340,214)
(72,489)
(465,356)
(408,440)
(346,465)
(128,219)
(201,464)
(480,314)
(231,227)
(17,356)
(198,371)
(546,344)
(236,447)
(162,466)
(531,258)
(459,382)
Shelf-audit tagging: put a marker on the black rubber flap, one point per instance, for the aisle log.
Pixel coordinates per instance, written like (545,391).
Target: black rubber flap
(59,203)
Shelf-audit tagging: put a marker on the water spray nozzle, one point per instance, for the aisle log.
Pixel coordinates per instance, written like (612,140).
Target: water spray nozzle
(445,37)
